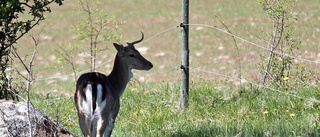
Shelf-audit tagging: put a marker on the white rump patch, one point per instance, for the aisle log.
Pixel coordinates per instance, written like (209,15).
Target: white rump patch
(87,104)
(100,103)
(99,93)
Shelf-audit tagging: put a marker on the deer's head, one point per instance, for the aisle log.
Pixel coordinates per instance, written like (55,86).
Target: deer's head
(132,57)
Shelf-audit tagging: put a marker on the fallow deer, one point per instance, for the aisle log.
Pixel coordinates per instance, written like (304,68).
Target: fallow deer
(97,96)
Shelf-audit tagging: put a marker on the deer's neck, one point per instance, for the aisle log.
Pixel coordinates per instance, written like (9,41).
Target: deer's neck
(119,76)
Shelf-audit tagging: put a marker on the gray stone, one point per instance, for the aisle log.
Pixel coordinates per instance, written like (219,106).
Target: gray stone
(15,121)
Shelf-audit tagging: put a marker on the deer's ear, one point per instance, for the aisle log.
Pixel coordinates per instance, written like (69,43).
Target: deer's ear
(119,48)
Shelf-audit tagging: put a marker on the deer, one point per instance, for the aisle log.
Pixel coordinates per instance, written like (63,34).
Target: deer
(97,96)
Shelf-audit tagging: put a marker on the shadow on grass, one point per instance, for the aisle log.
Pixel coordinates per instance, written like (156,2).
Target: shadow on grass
(235,132)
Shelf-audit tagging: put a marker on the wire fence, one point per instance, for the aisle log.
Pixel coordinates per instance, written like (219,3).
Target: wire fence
(198,69)
(175,27)
(256,84)
(102,64)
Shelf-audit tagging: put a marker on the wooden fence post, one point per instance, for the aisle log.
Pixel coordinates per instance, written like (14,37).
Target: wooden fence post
(184,89)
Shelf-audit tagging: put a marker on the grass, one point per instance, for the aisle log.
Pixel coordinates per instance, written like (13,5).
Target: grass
(153,110)
(218,107)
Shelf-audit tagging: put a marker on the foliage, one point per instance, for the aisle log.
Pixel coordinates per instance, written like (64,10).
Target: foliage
(277,66)
(12,29)
(67,56)
(97,27)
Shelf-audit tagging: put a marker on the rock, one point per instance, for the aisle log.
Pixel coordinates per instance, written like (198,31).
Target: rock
(15,122)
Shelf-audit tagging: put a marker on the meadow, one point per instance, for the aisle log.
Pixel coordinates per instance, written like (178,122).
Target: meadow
(219,105)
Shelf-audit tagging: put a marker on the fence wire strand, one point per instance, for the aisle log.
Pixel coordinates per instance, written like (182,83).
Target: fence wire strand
(155,35)
(254,44)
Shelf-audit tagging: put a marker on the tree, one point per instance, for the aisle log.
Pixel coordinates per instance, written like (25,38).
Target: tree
(97,27)
(276,66)
(12,29)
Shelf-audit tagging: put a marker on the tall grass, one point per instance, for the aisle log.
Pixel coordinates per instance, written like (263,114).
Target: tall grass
(153,110)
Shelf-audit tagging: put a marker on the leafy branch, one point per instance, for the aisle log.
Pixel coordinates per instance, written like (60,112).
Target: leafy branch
(97,27)
(12,29)
(276,67)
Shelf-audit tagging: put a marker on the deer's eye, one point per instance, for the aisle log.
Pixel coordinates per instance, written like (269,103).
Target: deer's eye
(132,56)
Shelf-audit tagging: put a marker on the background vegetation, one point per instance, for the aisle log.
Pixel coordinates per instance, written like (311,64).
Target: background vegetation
(222,102)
